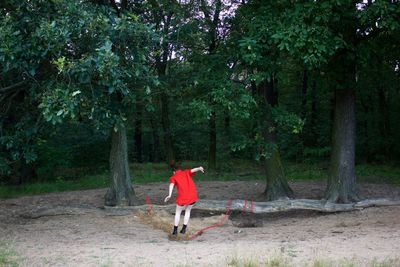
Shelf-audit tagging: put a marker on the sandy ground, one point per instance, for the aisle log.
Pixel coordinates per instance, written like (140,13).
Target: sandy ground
(99,238)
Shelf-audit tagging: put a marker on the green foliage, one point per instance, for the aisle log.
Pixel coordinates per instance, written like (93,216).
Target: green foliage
(287,121)
(95,80)
(64,61)
(73,151)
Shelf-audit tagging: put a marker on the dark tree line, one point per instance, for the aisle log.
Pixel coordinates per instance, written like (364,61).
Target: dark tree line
(203,80)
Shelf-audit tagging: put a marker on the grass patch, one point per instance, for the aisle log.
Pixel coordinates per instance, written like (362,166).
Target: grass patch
(389,262)
(59,185)
(378,173)
(283,261)
(306,172)
(238,262)
(8,256)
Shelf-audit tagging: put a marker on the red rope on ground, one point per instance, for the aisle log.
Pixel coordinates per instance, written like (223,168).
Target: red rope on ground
(222,222)
(149,207)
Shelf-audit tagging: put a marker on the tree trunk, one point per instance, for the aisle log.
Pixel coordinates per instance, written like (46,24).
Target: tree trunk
(121,190)
(212,146)
(304,95)
(138,134)
(303,135)
(277,185)
(384,121)
(22,173)
(313,116)
(366,151)
(342,179)
(154,151)
(212,21)
(166,125)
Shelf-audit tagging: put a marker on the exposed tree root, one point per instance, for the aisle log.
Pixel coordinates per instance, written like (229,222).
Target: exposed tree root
(219,205)
(293,204)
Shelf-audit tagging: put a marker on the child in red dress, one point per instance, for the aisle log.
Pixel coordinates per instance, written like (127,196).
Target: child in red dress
(186,194)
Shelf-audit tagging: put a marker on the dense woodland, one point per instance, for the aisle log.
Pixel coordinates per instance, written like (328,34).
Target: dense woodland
(90,83)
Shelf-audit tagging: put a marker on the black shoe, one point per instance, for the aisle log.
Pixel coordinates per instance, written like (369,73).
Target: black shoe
(183,231)
(175,232)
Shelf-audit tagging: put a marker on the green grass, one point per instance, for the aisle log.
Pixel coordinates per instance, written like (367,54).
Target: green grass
(231,170)
(59,185)
(389,174)
(378,173)
(305,172)
(283,261)
(237,262)
(8,257)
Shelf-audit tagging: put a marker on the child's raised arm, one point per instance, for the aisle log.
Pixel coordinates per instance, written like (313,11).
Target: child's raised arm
(197,169)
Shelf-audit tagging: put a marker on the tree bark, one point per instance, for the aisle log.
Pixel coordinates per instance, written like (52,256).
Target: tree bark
(342,179)
(121,190)
(277,185)
(166,125)
(212,22)
(313,116)
(161,65)
(304,94)
(154,151)
(138,134)
(384,129)
(212,147)
(22,173)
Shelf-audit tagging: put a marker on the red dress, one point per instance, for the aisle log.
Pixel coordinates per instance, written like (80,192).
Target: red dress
(187,193)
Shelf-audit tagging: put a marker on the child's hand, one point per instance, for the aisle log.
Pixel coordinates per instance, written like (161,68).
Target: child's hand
(201,169)
(167,198)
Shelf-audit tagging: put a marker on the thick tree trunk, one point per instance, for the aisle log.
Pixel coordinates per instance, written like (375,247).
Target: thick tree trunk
(212,21)
(304,136)
(366,127)
(121,190)
(22,173)
(154,151)
(384,121)
(163,25)
(313,104)
(304,95)
(166,125)
(342,179)
(138,134)
(212,145)
(277,185)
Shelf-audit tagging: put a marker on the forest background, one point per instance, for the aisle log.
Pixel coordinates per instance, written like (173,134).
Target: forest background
(98,92)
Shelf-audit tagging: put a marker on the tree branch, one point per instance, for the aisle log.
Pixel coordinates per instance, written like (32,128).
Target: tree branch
(11,88)
(114,5)
(124,5)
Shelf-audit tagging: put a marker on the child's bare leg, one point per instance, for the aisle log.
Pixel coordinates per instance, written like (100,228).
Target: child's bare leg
(178,212)
(186,218)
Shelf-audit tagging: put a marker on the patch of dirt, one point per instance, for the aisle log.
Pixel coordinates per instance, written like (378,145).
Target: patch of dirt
(94,237)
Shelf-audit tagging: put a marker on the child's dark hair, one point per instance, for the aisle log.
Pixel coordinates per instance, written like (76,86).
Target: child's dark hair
(174,165)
